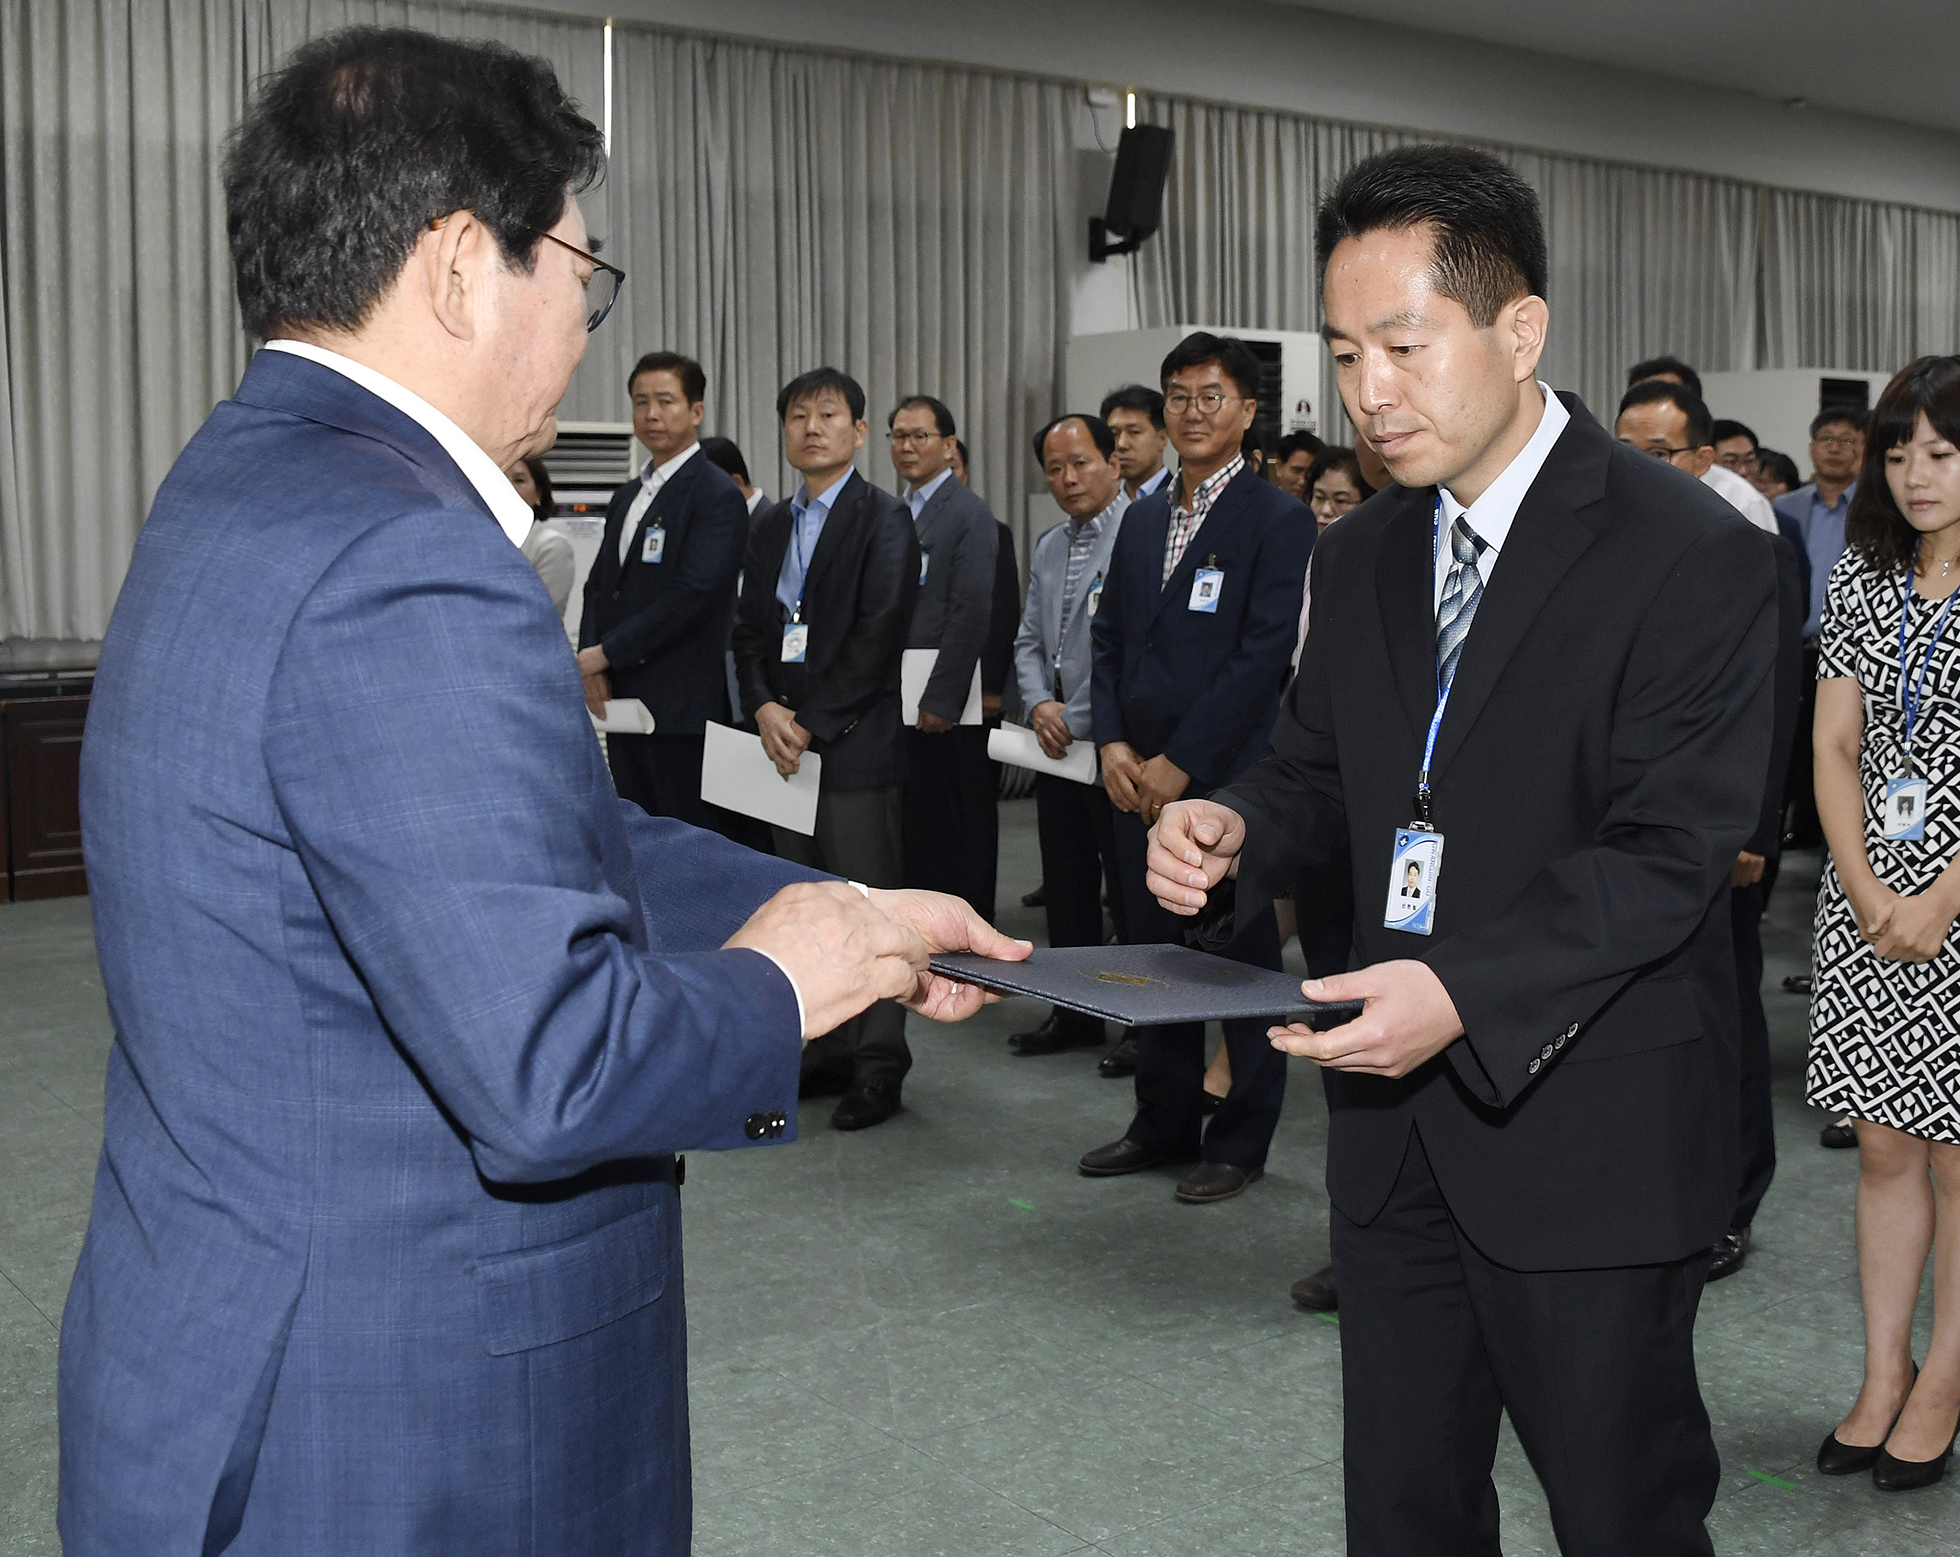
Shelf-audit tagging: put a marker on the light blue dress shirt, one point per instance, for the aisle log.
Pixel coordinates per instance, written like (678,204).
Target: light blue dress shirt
(806,520)
(918,497)
(1822,524)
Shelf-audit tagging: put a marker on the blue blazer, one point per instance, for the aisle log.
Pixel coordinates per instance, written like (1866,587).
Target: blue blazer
(1201,688)
(410,1015)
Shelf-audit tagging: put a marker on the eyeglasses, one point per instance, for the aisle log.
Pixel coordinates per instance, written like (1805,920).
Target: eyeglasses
(1835,441)
(921,439)
(598,315)
(1210,401)
(1663,452)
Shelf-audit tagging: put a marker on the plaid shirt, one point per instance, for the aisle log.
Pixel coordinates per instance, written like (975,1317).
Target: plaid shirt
(1185,521)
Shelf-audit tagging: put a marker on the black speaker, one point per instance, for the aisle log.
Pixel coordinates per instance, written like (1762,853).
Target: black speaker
(1136,192)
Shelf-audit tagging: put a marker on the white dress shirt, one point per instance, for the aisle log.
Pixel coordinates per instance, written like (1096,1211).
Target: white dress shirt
(1491,515)
(652,479)
(1742,496)
(512,513)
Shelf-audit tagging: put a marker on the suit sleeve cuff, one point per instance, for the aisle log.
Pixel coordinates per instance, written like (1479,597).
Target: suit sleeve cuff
(802,1016)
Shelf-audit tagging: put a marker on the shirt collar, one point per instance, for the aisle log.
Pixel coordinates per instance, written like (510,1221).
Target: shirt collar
(1208,489)
(920,496)
(803,502)
(1156,481)
(665,471)
(1093,526)
(1492,514)
(512,513)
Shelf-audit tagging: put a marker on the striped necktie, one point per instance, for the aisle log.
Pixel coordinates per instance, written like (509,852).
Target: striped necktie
(1461,591)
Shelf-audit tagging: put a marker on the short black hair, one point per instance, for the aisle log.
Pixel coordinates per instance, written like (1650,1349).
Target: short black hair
(727,454)
(1651,391)
(942,416)
(815,382)
(1873,526)
(1725,429)
(1856,420)
(693,381)
(1489,232)
(1099,434)
(1297,443)
(1136,397)
(1234,358)
(1250,444)
(1778,466)
(367,135)
(1640,372)
(547,504)
(1338,457)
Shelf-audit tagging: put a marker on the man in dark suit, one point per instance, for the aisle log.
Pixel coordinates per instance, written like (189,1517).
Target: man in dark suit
(827,592)
(1191,645)
(661,593)
(951,821)
(1532,1125)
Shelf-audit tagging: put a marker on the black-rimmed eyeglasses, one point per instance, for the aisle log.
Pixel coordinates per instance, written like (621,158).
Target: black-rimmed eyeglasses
(598,315)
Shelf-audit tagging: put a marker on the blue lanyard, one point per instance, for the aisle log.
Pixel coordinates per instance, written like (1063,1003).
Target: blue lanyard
(1912,687)
(796,545)
(1423,794)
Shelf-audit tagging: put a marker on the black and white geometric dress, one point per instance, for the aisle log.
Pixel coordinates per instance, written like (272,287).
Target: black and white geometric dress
(1885,1036)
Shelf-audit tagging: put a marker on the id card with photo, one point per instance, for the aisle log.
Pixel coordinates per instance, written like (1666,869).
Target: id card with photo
(1904,811)
(1206,585)
(796,642)
(1412,880)
(653,546)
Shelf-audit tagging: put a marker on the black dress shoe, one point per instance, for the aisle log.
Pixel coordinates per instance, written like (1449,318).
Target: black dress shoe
(867,1105)
(1317,1291)
(1125,1156)
(1838,1135)
(1730,1250)
(1212,1181)
(1892,1474)
(1120,1061)
(1037,898)
(1062,1030)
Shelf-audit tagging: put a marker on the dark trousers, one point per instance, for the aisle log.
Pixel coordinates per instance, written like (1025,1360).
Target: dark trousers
(1170,1070)
(661,774)
(1800,794)
(1758,1117)
(857,837)
(1595,1367)
(952,815)
(1075,823)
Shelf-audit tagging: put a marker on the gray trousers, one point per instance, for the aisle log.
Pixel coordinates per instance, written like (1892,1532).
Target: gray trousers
(858,837)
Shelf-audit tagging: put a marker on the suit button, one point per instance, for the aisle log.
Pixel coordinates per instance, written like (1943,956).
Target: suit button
(1572,1031)
(756,1126)
(1559,1041)
(1533,1066)
(1150,646)
(1545,1053)
(778,1123)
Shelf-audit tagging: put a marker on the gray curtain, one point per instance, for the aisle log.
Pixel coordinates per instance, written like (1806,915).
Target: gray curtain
(1726,274)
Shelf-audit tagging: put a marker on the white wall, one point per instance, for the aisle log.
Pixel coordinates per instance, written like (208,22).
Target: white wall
(1285,57)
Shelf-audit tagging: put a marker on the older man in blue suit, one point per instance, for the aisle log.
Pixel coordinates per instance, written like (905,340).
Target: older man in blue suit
(411,1012)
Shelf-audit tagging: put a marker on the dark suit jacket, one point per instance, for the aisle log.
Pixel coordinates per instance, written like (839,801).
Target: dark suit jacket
(663,624)
(1600,765)
(1792,603)
(857,601)
(957,539)
(1201,687)
(997,658)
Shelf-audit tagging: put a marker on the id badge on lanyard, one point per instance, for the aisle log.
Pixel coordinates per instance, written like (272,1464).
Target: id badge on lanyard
(1902,815)
(1416,862)
(653,545)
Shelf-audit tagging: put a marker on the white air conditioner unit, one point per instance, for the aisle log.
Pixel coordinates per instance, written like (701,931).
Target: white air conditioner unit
(1289,360)
(590,460)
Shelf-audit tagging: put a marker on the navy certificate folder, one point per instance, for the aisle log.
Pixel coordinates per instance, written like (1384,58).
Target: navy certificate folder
(1146,986)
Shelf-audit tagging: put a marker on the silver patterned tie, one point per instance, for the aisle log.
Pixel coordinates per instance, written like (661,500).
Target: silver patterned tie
(1461,591)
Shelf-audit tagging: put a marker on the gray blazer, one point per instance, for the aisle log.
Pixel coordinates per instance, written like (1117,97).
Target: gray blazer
(958,535)
(1042,630)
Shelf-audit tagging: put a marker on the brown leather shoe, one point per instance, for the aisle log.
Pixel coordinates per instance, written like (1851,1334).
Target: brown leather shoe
(1213,1181)
(1317,1291)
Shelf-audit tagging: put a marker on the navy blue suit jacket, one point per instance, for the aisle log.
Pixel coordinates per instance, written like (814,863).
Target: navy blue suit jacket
(410,1014)
(1202,688)
(664,625)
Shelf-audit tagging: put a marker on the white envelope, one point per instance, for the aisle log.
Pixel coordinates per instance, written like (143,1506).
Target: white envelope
(913,674)
(737,775)
(625,716)
(1020,747)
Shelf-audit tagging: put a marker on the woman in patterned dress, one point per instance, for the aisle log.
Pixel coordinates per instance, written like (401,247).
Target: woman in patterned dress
(1885,1015)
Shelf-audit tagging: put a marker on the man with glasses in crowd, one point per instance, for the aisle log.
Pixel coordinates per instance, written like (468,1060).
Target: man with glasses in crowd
(1191,646)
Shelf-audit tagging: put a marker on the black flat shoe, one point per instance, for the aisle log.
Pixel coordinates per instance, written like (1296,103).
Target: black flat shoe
(1125,1156)
(1839,1135)
(1317,1291)
(1210,1182)
(862,1107)
(1120,1061)
(1062,1030)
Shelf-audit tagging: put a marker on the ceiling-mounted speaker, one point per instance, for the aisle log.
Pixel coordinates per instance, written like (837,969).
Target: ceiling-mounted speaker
(1136,192)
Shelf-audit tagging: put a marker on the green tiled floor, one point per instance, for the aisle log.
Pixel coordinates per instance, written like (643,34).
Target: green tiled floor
(936,1338)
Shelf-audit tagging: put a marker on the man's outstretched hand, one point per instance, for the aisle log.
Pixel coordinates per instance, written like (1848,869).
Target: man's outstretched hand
(841,952)
(1408,1019)
(1194,846)
(947,924)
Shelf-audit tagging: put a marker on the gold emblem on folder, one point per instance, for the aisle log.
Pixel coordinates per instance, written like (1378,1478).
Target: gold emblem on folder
(1121,978)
